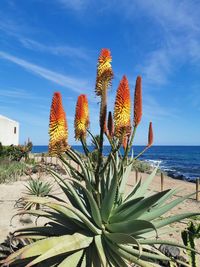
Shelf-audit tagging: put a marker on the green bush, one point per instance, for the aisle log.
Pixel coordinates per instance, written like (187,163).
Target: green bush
(11,171)
(141,166)
(15,153)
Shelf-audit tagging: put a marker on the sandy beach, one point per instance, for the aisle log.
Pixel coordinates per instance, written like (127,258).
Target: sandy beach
(10,193)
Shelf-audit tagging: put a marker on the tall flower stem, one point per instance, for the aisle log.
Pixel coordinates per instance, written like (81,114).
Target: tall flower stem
(150,141)
(103,111)
(110,157)
(142,152)
(130,143)
(85,148)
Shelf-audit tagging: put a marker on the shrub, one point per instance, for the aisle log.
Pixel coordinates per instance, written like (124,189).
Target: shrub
(11,171)
(141,166)
(15,153)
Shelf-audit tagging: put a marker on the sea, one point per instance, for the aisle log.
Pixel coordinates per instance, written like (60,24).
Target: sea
(179,162)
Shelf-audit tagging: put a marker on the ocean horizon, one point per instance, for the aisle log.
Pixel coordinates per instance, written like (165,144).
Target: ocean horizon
(178,161)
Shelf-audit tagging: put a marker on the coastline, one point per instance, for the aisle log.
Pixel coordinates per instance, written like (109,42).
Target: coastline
(176,165)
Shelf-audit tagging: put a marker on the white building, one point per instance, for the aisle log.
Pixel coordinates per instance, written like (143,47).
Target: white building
(9,131)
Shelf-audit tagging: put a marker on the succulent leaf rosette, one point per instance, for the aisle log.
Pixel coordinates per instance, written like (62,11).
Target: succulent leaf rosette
(97,224)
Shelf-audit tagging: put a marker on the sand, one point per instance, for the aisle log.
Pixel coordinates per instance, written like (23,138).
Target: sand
(10,193)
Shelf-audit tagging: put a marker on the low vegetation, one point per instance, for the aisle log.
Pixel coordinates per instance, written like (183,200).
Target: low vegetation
(11,171)
(141,166)
(15,153)
(14,162)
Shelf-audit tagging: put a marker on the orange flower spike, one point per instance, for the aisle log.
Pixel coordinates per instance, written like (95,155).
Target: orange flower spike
(122,111)
(81,122)
(138,101)
(104,71)
(58,126)
(110,125)
(150,135)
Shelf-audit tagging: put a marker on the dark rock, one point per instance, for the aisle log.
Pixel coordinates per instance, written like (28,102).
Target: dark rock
(35,169)
(170,251)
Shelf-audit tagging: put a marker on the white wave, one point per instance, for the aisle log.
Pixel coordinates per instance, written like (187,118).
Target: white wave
(153,163)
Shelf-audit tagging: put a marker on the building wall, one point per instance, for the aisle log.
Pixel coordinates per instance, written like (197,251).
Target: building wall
(9,132)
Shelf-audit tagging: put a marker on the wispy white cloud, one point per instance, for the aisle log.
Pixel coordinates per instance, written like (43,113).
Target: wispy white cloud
(11,27)
(15,27)
(16,93)
(173,14)
(178,22)
(156,67)
(153,110)
(60,50)
(67,81)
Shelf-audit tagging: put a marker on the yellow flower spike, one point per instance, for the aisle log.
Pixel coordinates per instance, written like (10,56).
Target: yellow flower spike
(122,111)
(58,131)
(81,122)
(104,72)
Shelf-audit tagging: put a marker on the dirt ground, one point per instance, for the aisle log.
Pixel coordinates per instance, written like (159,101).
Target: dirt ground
(10,193)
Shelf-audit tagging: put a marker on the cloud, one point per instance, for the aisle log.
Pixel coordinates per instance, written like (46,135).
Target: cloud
(156,67)
(12,28)
(178,36)
(174,15)
(69,82)
(153,110)
(61,50)
(15,93)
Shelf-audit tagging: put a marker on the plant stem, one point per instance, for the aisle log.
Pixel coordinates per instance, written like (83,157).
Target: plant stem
(103,111)
(130,144)
(147,147)
(84,145)
(70,166)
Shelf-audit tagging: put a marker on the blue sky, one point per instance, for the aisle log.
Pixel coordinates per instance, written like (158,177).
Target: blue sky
(53,45)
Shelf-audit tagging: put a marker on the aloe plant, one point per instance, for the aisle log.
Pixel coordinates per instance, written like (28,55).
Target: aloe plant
(34,187)
(123,229)
(97,223)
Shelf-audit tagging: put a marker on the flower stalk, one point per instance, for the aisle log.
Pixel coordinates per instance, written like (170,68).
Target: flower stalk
(150,141)
(103,81)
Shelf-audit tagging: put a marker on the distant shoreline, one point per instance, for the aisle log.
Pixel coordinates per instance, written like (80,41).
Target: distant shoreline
(178,162)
